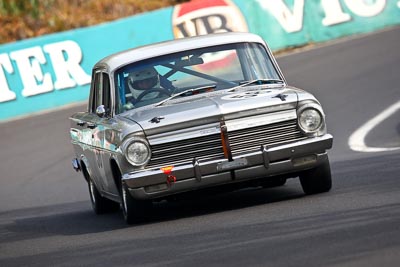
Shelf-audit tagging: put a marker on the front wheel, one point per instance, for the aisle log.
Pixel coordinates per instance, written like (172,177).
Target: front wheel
(134,211)
(317,180)
(100,204)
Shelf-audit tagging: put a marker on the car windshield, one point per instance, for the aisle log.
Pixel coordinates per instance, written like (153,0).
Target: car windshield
(178,75)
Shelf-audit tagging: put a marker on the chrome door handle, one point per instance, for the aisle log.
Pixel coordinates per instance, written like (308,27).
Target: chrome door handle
(91,125)
(81,123)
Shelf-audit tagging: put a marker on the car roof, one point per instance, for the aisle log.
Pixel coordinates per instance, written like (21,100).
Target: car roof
(144,52)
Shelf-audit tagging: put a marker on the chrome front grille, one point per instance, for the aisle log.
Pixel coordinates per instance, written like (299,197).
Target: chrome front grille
(250,139)
(184,151)
(245,135)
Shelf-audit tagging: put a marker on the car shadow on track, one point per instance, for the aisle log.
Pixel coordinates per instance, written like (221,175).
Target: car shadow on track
(78,218)
(245,198)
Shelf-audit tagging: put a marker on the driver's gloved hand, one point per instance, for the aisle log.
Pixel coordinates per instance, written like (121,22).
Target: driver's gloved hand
(128,106)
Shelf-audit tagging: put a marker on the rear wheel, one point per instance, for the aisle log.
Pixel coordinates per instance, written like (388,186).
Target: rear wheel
(100,204)
(317,180)
(134,210)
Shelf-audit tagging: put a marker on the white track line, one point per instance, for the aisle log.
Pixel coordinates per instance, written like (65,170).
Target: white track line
(356,140)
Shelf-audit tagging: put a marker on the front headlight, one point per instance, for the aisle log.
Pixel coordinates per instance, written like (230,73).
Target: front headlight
(311,119)
(137,152)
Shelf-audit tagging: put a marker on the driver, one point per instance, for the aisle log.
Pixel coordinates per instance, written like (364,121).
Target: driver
(144,79)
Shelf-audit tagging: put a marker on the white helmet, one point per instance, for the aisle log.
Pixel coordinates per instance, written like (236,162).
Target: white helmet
(149,75)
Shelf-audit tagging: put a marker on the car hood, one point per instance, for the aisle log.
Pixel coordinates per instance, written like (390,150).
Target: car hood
(212,107)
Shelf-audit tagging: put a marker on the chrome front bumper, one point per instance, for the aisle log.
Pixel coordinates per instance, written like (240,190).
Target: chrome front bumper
(278,160)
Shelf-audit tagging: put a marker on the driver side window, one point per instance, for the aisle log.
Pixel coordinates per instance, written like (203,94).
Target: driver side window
(106,92)
(100,92)
(96,92)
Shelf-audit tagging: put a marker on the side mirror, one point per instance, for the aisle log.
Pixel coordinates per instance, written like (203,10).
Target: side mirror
(101,111)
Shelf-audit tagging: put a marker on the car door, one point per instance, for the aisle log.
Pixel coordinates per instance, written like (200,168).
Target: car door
(84,131)
(93,133)
(106,136)
(101,101)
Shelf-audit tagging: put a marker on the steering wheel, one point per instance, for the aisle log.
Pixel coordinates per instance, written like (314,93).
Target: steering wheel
(160,91)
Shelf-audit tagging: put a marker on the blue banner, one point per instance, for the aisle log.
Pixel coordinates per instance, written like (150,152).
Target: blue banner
(55,70)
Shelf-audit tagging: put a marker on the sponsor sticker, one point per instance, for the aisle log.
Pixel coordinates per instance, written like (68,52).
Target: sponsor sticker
(199,17)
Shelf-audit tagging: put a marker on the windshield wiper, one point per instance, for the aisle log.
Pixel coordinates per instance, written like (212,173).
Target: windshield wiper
(192,90)
(257,82)
(260,81)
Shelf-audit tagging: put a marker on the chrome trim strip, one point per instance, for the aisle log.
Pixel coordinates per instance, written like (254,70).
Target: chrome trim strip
(187,133)
(259,120)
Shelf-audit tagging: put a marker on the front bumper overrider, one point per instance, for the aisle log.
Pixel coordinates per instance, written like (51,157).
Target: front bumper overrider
(278,160)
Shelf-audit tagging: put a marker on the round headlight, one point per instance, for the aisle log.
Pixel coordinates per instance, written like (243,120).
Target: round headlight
(310,120)
(137,153)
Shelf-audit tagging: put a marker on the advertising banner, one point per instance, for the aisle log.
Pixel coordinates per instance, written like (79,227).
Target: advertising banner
(55,70)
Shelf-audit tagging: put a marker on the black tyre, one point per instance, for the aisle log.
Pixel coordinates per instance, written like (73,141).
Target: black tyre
(100,204)
(317,180)
(134,211)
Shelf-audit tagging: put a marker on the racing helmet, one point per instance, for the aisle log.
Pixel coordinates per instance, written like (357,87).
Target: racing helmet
(148,75)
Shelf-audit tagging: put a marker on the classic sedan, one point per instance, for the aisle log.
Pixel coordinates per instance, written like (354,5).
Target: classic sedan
(183,116)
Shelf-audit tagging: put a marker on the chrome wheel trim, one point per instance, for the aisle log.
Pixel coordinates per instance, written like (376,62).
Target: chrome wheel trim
(124,205)
(91,190)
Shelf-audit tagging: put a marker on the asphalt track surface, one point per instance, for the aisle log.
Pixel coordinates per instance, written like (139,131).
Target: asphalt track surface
(46,218)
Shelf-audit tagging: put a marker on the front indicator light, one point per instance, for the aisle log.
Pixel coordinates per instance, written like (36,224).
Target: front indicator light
(167,170)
